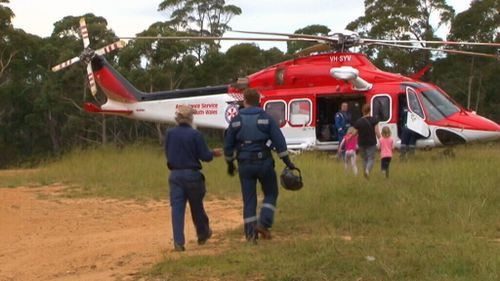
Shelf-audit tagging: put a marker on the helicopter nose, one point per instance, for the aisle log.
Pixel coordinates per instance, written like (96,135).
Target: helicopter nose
(482,129)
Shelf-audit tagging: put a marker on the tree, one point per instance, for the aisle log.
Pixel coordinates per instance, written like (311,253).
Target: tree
(316,29)
(202,18)
(6,16)
(402,20)
(6,53)
(466,76)
(65,91)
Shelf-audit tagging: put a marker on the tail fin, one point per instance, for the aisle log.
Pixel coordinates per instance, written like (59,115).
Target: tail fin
(421,72)
(114,85)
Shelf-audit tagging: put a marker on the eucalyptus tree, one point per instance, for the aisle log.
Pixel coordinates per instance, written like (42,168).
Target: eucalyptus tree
(202,18)
(315,29)
(6,53)
(66,90)
(474,80)
(402,20)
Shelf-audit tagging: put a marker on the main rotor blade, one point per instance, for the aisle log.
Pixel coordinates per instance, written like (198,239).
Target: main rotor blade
(315,48)
(291,35)
(90,76)
(215,38)
(107,49)
(65,64)
(434,42)
(84,32)
(439,50)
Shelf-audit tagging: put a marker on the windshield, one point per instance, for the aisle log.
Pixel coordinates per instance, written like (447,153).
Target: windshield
(437,105)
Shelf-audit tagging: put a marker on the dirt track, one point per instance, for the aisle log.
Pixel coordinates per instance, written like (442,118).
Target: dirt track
(43,237)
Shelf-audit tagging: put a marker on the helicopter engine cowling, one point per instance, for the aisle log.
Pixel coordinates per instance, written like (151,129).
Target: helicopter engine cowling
(350,74)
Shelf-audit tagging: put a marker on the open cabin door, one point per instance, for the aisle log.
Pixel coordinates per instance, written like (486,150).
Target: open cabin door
(416,118)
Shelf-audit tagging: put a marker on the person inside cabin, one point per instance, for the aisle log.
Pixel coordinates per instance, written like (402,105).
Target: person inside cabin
(342,122)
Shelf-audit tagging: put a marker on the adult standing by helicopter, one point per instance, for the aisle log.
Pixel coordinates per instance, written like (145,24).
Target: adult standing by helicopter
(342,121)
(408,137)
(249,139)
(184,148)
(368,133)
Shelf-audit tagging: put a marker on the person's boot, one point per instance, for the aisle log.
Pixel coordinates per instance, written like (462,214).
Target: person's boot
(263,231)
(203,240)
(411,151)
(402,152)
(179,248)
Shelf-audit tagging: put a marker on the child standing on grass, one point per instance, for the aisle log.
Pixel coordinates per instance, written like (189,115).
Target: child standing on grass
(350,144)
(386,146)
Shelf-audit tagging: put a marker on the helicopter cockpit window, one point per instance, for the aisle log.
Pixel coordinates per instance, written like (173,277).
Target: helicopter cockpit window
(277,110)
(414,104)
(300,112)
(381,108)
(437,105)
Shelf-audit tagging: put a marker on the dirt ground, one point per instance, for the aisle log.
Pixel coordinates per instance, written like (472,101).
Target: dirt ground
(45,237)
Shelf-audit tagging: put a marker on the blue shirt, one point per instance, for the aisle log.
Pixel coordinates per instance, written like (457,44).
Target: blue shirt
(265,129)
(342,121)
(185,147)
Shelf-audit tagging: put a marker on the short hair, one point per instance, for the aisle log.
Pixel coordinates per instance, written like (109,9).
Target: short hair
(251,97)
(366,109)
(386,132)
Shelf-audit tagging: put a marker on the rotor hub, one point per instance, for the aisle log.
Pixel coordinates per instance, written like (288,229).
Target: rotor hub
(87,55)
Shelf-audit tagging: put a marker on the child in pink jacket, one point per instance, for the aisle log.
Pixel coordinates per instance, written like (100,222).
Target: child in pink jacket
(386,146)
(350,144)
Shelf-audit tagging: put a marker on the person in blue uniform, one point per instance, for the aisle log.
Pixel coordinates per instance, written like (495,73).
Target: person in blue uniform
(249,139)
(408,137)
(342,121)
(184,149)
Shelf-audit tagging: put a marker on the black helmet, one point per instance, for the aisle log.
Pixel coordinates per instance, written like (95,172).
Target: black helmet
(291,181)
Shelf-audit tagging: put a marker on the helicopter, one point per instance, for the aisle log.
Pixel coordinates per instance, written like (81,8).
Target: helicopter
(302,94)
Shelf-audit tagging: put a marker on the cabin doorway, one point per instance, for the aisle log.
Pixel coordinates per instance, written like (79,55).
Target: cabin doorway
(327,106)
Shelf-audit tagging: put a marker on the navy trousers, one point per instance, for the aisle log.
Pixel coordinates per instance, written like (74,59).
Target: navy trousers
(408,137)
(250,172)
(188,186)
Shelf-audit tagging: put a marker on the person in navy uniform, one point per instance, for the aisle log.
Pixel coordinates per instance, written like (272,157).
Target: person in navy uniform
(249,139)
(342,121)
(408,137)
(184,148)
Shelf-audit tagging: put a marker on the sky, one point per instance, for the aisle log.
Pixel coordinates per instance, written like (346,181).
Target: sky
(128,17)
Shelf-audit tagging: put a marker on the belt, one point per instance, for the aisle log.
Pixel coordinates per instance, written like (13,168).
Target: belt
(187,169)
(247,155)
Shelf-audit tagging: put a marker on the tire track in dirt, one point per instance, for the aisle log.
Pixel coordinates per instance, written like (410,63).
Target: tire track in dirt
(94,239)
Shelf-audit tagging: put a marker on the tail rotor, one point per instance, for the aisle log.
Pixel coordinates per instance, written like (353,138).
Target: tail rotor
(87,55)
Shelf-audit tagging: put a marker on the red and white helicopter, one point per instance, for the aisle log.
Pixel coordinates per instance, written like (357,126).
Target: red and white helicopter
(302,94)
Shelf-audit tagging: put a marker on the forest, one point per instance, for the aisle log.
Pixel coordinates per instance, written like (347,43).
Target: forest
(41,112)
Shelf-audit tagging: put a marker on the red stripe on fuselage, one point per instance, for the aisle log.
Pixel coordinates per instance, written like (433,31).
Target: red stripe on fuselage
(467,121)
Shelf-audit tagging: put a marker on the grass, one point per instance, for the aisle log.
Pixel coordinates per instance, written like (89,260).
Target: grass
(134,172)
(436,218)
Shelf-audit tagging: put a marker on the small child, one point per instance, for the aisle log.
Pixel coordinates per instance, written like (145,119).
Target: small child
(386,146)
(350,144)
